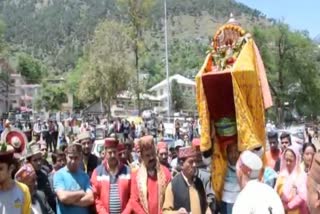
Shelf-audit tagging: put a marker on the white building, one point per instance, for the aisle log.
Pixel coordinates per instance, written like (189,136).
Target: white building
(160,90)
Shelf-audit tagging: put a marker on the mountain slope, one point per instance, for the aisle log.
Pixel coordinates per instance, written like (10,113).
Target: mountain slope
(56,31)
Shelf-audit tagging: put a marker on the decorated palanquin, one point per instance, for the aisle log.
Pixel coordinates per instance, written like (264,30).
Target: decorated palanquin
(232,95)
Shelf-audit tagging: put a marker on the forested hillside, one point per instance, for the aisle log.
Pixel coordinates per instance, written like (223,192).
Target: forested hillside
(56,31)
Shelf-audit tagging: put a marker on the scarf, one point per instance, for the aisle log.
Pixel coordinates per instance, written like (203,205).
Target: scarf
(142,176)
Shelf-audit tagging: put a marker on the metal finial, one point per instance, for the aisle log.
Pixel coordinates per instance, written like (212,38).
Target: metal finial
(232,20)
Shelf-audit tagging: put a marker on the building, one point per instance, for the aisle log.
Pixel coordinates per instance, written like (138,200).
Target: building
(160,90)
(21,95)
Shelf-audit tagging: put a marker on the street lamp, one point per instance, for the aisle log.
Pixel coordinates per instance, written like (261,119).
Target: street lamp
(167,61)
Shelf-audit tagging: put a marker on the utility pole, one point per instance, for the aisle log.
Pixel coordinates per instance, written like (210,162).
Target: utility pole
(167,61)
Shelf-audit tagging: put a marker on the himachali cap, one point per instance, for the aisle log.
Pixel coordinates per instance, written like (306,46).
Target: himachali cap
(25,173)
(74,148)
(196,142)
(250,164)
(162,145)
(146,142)
(186,152)
(121,147)
(16,138)
(83,136)
(111,142)
(6,152)
(314,171)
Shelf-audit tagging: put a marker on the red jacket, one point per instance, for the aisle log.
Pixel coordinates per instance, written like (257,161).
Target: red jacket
(100,181)
(142,207)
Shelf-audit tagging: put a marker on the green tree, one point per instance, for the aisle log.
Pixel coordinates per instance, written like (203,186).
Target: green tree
(138,15)
(291,62)
(51,97)
(31,69)
(109,64)
(176,96)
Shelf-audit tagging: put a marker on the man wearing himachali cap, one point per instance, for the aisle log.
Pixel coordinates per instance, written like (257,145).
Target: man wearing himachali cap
(111,182)
(163,154)
(149,182)
(255,197)
(186,194)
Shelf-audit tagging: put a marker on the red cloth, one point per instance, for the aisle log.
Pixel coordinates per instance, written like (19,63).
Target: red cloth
(272,158)
(100,181)
(153,200)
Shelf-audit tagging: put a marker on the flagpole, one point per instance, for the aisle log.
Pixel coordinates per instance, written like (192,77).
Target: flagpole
(167,61)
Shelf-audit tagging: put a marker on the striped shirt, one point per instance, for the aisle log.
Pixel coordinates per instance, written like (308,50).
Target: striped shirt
(114,199)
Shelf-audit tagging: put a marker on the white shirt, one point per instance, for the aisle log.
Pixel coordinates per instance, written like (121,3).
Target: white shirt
(36,209)
(258,198)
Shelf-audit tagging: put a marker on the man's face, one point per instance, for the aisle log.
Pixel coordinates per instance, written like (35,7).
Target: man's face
(31,182)
(61,161)
(149,158)
(273,142)
(163,156)
(313,195)
(233,154)
(44,152)
(285,143)
(86,146)
(36,161)
(5,172)
(189,166)
(112,156)
(73,161)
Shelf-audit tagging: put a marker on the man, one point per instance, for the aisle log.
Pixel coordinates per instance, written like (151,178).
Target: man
(204,175)
(185,194)
(72,184)
(174,163)
(44,151)
(27,175)
(163,154)
(274,154)
(148,183)
(59,160)
(37,129)
(111,182)
(34,157)
(285,140)
(90,161)
(14,196)
(255,197)
(123,154)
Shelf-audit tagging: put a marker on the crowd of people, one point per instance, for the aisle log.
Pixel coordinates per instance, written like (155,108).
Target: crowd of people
(143,175)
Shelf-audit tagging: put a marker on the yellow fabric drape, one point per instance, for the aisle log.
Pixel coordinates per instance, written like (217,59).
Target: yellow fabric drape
(249,106)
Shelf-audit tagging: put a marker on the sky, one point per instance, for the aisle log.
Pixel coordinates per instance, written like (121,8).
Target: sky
(299,14)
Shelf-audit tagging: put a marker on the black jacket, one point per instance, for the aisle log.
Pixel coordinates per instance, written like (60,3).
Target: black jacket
(44,186)
(93,162)
(44,205)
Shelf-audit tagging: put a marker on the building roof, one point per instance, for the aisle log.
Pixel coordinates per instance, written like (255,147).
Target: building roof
(129,95)
(177,77)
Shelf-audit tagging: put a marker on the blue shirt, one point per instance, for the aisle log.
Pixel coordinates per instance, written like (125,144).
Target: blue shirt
(65,180)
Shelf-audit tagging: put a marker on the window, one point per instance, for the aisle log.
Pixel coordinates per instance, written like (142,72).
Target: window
(12,81)
(12,91)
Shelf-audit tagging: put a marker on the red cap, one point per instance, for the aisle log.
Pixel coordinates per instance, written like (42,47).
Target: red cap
(195,142)
(110,142)
(162,145)
(121,147)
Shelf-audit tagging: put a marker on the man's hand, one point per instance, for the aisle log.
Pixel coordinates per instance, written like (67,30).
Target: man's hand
(182,211)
